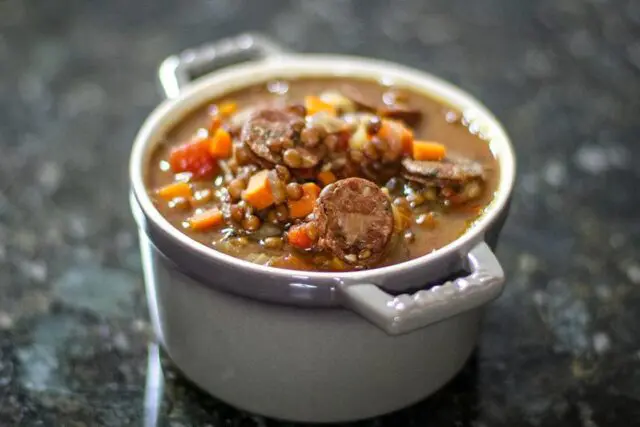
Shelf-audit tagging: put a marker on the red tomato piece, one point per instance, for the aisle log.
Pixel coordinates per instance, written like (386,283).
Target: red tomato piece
(194,157)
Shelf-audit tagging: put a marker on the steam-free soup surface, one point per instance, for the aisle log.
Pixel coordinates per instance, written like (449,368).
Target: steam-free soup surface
(323,174)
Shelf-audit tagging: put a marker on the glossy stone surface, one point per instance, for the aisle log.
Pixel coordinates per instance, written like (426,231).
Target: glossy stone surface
(560,348)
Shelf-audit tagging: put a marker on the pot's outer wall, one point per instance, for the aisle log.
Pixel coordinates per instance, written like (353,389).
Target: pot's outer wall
(300,364)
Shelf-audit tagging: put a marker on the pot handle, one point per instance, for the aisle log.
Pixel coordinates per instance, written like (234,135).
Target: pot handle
(405,313)
(178,70)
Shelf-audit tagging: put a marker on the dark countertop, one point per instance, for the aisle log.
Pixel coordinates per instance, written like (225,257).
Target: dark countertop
(562,345)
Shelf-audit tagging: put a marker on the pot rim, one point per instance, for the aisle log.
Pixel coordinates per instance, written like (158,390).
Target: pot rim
(290,66)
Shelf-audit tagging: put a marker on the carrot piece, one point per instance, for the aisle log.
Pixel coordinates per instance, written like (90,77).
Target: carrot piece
(219,112)
(206,220)
(176,189)
(227,108)
(194,157)
(221,145)
(304,206)
(298,237)
(326,178)
(311,188)
(215,123)
(393,131)
(314,105)
(385,131)
(428,150)
(407,140)
(258,193)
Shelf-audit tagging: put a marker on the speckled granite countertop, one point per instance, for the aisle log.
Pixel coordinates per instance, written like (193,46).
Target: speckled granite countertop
(560,348)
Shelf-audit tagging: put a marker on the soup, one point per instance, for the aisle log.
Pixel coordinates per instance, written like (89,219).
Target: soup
(323,174)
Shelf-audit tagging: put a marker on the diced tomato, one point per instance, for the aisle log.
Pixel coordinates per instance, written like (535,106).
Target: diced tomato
(194,157)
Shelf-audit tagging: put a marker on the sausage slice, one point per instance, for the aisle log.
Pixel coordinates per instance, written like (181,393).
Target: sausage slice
(265,127)
(272,126)
(355,221)
(451,170)
(395,110)
(410,116)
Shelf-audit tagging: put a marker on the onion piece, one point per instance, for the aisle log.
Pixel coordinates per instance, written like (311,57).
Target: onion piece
(359,138)
(330,123)
(238,119)
(356,119)
(338,101)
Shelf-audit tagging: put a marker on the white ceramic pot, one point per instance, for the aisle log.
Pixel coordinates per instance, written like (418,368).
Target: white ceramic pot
(311,346)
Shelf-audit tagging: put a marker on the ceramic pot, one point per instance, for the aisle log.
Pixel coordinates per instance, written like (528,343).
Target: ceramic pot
(311,346)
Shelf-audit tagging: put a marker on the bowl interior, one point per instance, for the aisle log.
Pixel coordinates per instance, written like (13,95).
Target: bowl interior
(171,112)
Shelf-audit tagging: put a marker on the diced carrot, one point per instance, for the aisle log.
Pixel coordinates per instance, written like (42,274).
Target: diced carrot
(428,150)
(298,237)
(220,112)
(304,206)
(194,157)
(392,131)
(221,145)
(206,220)
(258,193)
(314,105)
(176,189)
(386,130)
(407,140)
(326,178)
(227,108)
(215,123)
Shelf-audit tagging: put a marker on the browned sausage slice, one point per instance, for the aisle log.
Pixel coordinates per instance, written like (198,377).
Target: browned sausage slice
(395,110)
(360,99)
(271,127)
(267,126)
(355,221)
(410,116)
(451,170)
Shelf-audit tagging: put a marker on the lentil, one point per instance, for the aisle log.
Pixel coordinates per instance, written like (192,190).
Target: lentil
(275,145)
(283,173)
(273,243)
(292,158)
(312,136)
(236,187)
(251,223)
(282,213)
(237,212)
(294,191)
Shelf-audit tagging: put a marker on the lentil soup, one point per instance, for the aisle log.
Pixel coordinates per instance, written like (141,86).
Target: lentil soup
(323,174)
